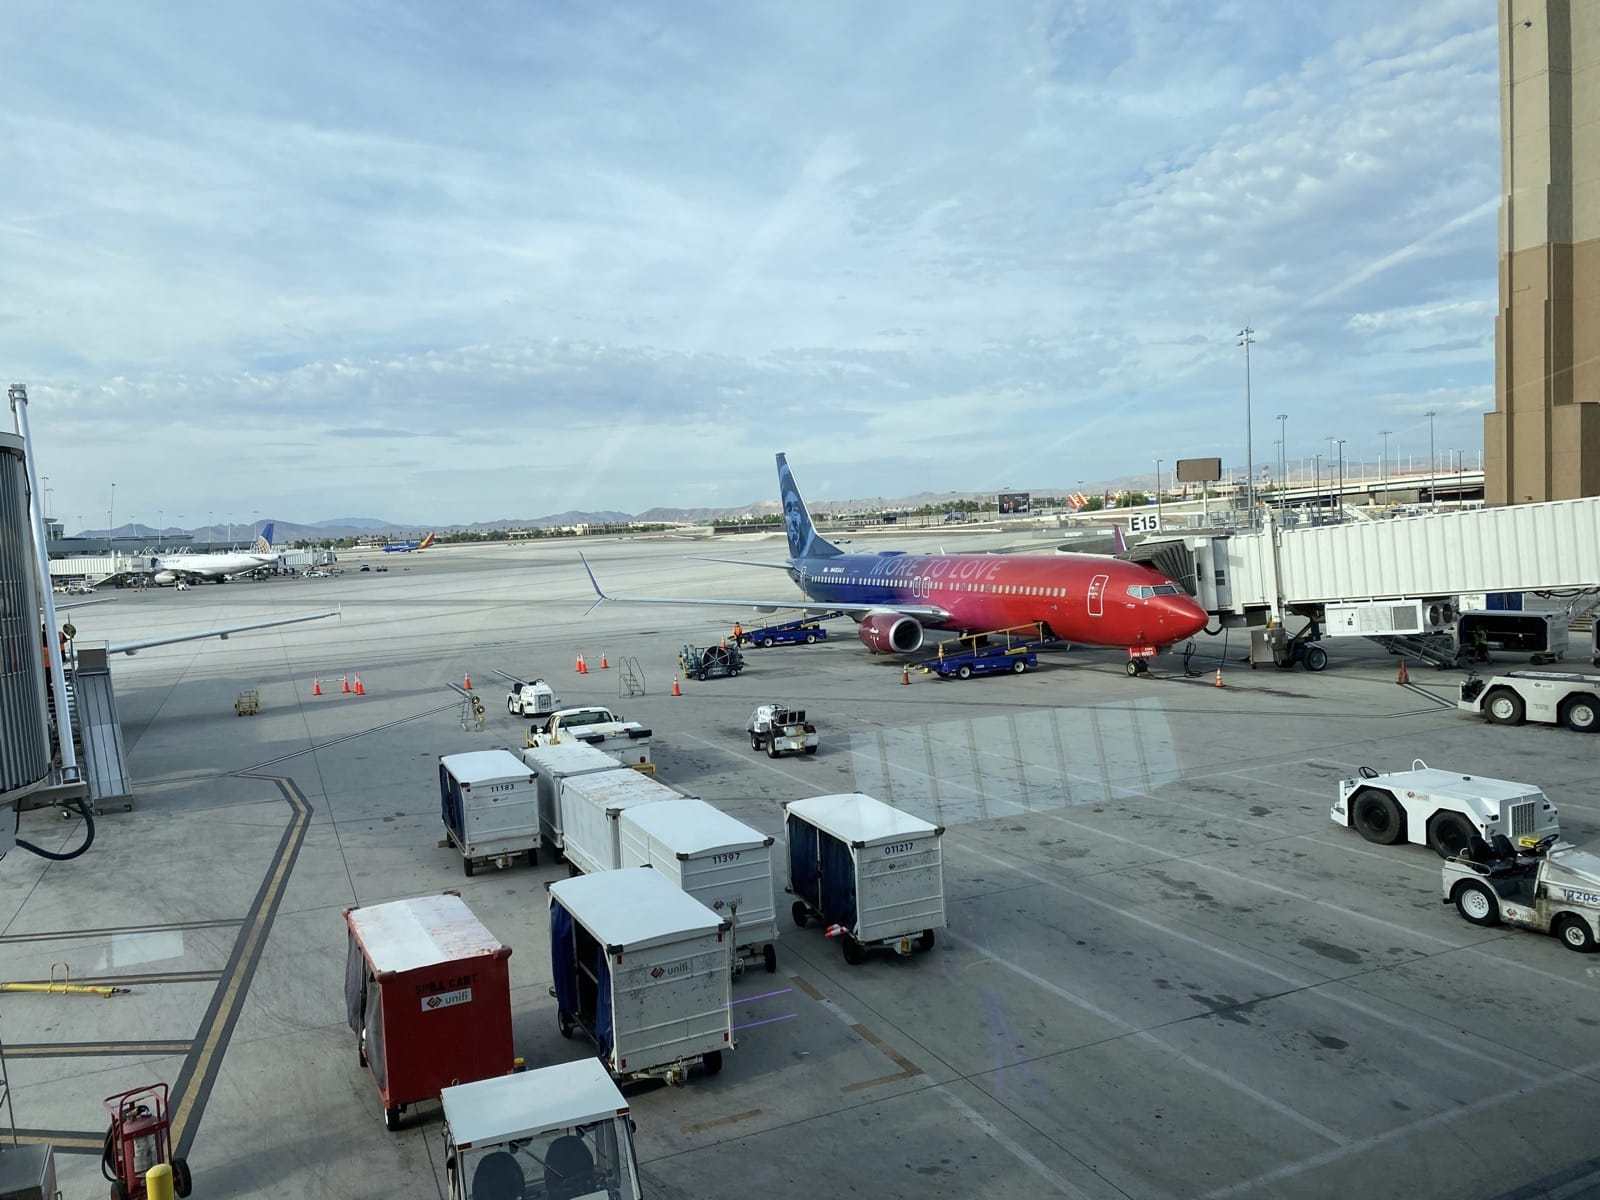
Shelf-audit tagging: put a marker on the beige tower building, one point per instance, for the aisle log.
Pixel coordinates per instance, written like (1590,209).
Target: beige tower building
(1542,442)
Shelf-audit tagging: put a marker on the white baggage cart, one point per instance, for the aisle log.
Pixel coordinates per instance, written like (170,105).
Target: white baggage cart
(553,764)
(873,874)
(590,805)
(489,802)
(717,859)
(642,969)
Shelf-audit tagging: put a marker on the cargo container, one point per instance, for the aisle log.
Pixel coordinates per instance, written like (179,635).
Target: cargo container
(489,802)
(720,861)
(553,764)
(590,805)
(873,874)
(427,992)
(642,969)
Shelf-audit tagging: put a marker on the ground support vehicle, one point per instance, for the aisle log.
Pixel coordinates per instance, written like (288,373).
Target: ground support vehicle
(1277,646)
(1570,698)
(247,703)
(427,992)
(710,662)
(1010,651)
(871,873)
(533,699)
(626,741)
(590,805)
(778,729)
(552,764)
(1441,809)
(560,1131)
(1551,888)
(140,1137)
(717,859)
(489,803)
(642,969)
(807,630)
(1541,635)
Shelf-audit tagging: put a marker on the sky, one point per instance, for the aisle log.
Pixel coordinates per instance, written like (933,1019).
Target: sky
(440,264)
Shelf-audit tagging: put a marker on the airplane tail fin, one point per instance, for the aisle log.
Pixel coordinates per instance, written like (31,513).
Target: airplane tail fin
(1122,543)
(804,540)
(426,542)
(263,542)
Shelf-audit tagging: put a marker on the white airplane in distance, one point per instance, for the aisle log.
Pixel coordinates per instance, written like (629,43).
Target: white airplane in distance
(192,568)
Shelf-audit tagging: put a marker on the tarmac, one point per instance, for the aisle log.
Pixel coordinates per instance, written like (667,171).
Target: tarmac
(1167,972)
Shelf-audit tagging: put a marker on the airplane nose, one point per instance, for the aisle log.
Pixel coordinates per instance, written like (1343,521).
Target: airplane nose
(1182,616)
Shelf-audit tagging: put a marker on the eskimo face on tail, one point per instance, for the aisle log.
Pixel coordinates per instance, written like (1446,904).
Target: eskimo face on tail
(804,541)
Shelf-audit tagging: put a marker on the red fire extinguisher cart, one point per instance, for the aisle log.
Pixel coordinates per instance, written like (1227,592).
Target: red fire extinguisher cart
(428,994)
(140,1137)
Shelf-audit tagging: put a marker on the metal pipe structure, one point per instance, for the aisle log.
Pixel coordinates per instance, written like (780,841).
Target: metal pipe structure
(58,679)
(1383,466)
(1158,491)
(1246,340)
(1283,462)
(1433,465)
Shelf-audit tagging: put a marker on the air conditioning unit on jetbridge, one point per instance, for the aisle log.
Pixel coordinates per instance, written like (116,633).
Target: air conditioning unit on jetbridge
(1381,618)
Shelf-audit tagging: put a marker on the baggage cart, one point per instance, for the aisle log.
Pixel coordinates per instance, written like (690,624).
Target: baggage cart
(590,805)
(489,803)
(641,969)
(807,630)
(247,703)
(873,874)
(557,1131)
(553,764)
(717,859)
(709,662)
(427,993)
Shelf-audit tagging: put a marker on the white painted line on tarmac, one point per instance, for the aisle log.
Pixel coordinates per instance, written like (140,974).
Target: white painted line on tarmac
(1020,1152)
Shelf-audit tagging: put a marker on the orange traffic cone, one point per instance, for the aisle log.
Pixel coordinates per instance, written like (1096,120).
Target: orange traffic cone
(1217,682)
(360,691)
(603,663)
(344,683)
(579,667)
(316,686)
(676,690)
(466,681)
(905,674)
(1401,676)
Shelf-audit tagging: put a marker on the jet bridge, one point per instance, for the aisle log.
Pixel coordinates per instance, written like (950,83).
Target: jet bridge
(1398,578)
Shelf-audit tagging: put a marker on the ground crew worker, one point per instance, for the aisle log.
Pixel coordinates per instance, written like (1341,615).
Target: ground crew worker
(738,634)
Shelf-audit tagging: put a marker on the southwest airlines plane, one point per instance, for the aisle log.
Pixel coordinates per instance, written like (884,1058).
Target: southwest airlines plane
(895,596)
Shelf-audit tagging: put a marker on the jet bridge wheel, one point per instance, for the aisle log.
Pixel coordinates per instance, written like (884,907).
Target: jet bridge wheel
(1477,903)
(1316,658)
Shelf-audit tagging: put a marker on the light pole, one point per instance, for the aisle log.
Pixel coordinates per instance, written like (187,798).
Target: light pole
(44,487)
(1247,340)
(1340,441)
(1433,465)
(1316,468)
(1383,467)
(1283,462)
(111,518)
(1158,493)
(211,531)
(161,526)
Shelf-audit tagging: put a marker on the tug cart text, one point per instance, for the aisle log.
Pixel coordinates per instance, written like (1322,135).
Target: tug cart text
(642,970)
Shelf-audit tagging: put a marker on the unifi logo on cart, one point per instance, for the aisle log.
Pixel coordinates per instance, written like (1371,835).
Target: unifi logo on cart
(446,999)
(675,969)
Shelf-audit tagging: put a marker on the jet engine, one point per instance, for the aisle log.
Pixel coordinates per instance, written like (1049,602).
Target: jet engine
(883,632)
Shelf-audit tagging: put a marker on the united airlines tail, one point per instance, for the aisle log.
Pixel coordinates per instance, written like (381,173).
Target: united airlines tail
(263,542)
(804,540)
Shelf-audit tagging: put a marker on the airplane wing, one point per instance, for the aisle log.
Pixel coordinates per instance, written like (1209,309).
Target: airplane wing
(223,633)
(742,562)
(931,612)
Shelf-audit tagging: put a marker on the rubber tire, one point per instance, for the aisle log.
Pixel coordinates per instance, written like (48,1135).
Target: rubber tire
(1390,825)
(811,639)
(755,742)
(766,643)
(963,672)
(772,749)
(564,1023)
(1476,903)
(1511,707)
(925,941)
(182,1181)
(1575,935)
(811,749)
(1441,830)
(511,709)
(798,911)
(1580,713)
(533,856)
(361,1051)
(1133,668)
(711,1062)
(1316,658)
(700,675)
(119,1190)
(853,953)
(1019,667)
(391,1118)
(466,865)
(769,958)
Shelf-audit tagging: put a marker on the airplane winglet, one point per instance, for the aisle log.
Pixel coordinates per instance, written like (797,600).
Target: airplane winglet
(600,596)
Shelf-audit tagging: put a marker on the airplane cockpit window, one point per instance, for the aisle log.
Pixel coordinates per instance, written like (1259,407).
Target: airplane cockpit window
(1167,589)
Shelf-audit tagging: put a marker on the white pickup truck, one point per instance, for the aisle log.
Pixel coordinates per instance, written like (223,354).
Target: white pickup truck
(1441,809)
(626,741)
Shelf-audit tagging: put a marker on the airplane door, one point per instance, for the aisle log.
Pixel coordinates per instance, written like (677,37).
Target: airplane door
(1097,593)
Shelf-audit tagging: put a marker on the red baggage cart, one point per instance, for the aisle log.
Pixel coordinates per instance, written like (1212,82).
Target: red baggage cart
(428,995)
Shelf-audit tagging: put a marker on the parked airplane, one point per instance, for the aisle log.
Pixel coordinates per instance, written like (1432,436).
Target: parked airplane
(193,568)
(405,547)
(894,596)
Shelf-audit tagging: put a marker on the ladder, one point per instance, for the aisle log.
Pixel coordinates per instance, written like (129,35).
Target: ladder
(630,677)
